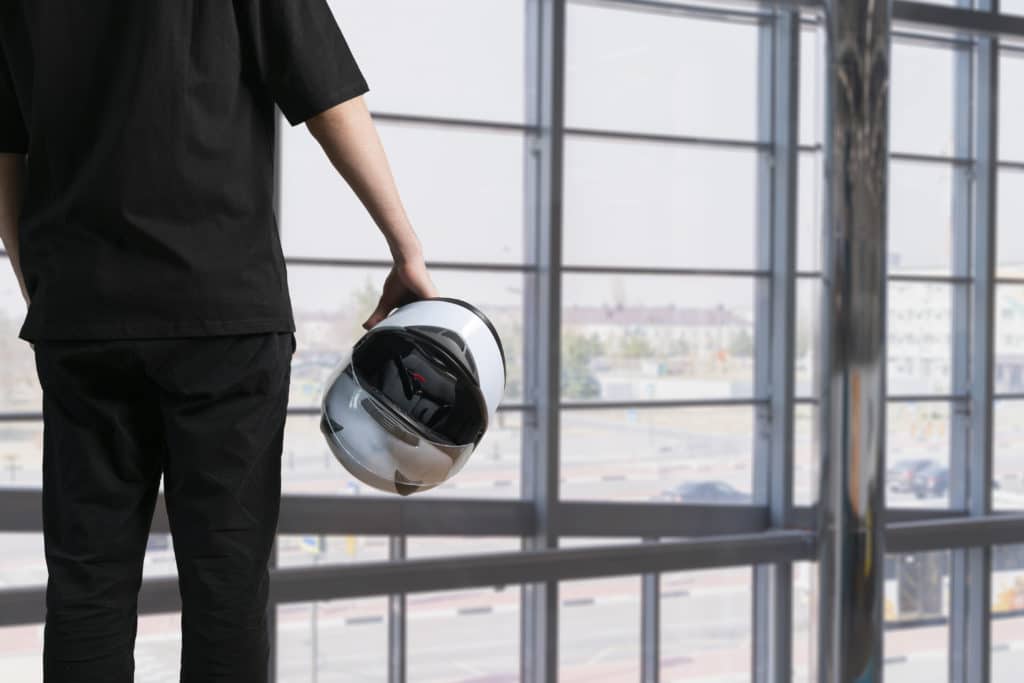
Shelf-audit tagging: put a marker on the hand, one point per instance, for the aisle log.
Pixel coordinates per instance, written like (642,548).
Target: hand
(408,281)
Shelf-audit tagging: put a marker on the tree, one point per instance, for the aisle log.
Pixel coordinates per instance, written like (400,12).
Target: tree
(635,345)
(578,351)
(742,344)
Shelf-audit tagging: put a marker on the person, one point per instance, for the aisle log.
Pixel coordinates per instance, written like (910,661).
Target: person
(136,208)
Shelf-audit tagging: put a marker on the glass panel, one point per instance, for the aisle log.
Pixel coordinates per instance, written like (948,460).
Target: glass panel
(333,642)
(21,455)
(311,550)
(21,653)
(1009,342)
(599,630)
(656,337)
(917,617)
(463,636)
(920,218)
(1007,613)
(706,625)
(812,85)
(692,455)
(920,338)
(809,210)
(158,648)
(19,384)
(321,217)
(808,313)
(806,454)
(489,58)
(921,106)
(423,547)
(917,454)
(1011,102)
(805,621)
(1008,455)
(22,563)
(1010,230)
(608,47)
(329,324)
(646,204)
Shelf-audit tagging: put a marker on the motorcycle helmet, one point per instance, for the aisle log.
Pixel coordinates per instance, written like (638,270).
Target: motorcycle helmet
(407,406)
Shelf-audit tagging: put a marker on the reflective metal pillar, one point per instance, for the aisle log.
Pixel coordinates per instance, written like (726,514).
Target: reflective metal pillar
(851,527)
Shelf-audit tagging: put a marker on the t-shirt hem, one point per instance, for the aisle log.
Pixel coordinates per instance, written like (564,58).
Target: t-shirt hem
(70,331)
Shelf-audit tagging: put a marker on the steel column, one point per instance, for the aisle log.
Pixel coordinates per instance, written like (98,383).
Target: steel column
(775,336)
(854,304)
(546,32)
(396,618)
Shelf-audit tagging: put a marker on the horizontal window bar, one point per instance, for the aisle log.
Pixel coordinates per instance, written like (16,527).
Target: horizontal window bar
(629,136)
(927,398)
(314,411)
(934,279)
(1008,397)
(312,583)
(26,605)
(663,520)
(390,117)
(957,19)
(666,403)
(724,14)
(906,156)
(1010,165)
(654,270)
(384,263)
(1015,281)
(963,532)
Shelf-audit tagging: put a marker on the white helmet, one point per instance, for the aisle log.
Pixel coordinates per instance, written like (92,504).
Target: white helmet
(406,408)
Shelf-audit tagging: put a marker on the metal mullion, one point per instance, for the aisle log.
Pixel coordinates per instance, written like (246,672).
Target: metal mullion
(778,80)
(650,626)
(545,77)
(960,427)
(927,398)
(397,635)
(981,21)
(977,560)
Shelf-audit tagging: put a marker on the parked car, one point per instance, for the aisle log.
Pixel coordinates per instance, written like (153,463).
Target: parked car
(931,481)
(706,492)
(900,477)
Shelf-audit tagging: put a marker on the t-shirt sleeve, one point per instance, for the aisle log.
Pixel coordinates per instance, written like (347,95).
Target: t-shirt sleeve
(304,60)
(13,135)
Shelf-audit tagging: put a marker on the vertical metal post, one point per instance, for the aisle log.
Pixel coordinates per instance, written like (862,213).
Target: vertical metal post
(650,626)
(851,549)
(542,328)
(975,663)
(775,335)
(396,619)
(960,419)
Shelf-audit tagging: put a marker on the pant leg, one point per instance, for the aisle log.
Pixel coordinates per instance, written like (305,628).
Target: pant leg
(224,401)
(101,471)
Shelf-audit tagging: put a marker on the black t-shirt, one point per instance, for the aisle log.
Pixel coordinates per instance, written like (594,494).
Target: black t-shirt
(149,134)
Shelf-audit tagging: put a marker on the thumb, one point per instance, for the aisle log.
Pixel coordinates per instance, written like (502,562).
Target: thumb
(378,314)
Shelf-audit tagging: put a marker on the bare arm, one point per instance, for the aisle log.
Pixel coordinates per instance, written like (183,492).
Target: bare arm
(348,136)
(11,166)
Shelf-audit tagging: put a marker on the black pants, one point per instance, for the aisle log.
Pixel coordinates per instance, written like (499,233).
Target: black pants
(206,413)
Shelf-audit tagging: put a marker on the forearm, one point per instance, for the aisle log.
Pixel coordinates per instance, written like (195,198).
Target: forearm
(11,166)
(348,136)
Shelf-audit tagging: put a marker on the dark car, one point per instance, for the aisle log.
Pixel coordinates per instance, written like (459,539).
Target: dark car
(706,492)
(900,477)
(931,481)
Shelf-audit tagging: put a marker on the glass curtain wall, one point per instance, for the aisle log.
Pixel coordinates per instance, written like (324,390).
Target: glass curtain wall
(632,190)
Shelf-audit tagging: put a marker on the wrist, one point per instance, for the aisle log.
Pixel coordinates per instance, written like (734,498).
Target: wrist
(409,251)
